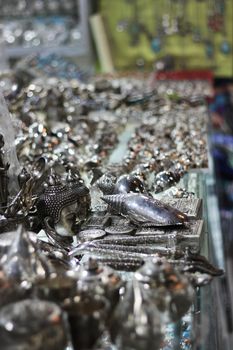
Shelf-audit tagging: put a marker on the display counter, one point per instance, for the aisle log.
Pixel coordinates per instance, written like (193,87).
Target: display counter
(114,223)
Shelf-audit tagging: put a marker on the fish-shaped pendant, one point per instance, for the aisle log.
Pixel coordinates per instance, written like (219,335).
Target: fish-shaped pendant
(141,209)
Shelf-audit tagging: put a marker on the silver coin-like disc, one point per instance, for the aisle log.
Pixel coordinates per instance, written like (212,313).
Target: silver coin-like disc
(90,234)
(119,229)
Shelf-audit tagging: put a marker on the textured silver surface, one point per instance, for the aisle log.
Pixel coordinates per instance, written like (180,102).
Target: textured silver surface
(191,232)
(90,234)
(191,206)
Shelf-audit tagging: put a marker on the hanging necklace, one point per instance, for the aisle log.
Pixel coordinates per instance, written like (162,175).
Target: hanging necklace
(184,25)
(225,47)
(197,36)
(130,23)
(215,18)
(156,40)
(172,18)
(209,46)
(134,27)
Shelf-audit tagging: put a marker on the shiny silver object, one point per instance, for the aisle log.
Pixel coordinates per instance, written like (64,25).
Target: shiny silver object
(4,179)
(32,324)
(136,323)
(141,209)
(95,278)
(109,184)
(23,261)
(166,179)
(22,266)
(90,234)
(59,206)
(171,291)
(97,294)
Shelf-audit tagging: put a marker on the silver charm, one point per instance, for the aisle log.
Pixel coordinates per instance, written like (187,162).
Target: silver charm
(141,209)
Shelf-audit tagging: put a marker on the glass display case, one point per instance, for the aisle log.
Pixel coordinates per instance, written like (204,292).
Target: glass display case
(217,298)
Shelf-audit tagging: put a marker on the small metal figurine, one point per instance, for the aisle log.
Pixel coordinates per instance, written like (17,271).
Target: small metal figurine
(89,310)
(32,324)
(109,184)
(98,279)
(23,260)
(198,263)
(136,322)
(3,176)
(59,206)
(167,287)
(166,179)
(142,209)
(23,177)
(22,265)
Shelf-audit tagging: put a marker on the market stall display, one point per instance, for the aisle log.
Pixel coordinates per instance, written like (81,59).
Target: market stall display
(106,223)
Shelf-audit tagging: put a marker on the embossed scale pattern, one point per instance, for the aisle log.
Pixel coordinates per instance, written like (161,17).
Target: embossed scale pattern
(143,209)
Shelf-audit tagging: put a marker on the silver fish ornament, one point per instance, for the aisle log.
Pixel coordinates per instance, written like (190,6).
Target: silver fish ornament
(141,209)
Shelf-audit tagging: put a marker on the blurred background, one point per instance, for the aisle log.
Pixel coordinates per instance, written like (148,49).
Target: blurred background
(121,35)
